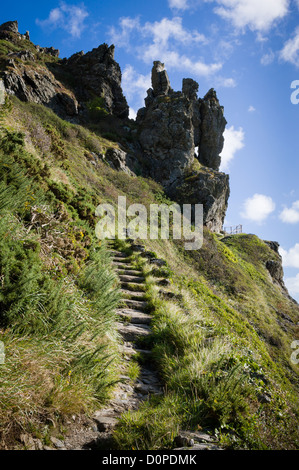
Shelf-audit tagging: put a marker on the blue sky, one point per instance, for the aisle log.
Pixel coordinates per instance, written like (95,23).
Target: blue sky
(248,50)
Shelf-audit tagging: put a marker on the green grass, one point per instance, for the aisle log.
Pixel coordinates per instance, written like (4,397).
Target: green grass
(219,345)
(58,296)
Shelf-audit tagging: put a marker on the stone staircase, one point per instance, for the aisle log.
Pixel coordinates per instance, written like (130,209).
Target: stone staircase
(134,325)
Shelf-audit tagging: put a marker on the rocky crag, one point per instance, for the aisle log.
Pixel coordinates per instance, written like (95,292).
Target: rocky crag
(172,125)
(36,74)
(179,137)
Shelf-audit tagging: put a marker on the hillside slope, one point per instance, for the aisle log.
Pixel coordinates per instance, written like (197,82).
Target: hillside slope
(221,342)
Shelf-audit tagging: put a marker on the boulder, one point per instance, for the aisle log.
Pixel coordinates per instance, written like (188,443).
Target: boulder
(117,159)
(209,188)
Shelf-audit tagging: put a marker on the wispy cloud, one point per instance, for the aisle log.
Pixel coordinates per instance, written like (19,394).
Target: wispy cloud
(292,284)
(268,58)
(222,82)
(290,215)
(290,51)
(258,208)
(290,257)
(135,86)
(258,15)
(179,4)
(251,109)
(68,17)
(166,40)
(233,142)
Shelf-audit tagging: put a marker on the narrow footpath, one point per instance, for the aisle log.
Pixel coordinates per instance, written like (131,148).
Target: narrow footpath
(134,326)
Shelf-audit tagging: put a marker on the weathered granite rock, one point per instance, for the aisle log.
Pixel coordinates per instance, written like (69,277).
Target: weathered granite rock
(209,188)
(212,127)
(39,87)
(276,271)
(23,55)
(97,74)
(11,26)
(160,79)
(2,92)
(166,137)
(171,126)
(119,160)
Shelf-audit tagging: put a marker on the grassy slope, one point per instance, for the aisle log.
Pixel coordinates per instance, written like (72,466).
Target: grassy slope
(221,344)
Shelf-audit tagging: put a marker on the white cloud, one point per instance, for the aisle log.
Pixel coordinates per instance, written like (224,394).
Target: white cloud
(258,15)
(68,17)
(132,114)
(135,86)
(251,109)
(290,215)
(121,35)
(267,59)
(258,208)
(166,29)
(165,40)
(290,51)
(233,142)
(290,257)
(179,4)
(222,82)
(292,284)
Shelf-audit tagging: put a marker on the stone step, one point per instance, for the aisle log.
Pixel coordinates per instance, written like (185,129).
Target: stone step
(133,332)
(135,316)
(133,295)
(136,304)
(128,272)
(121,266)
(120,260)
(133,287)
(135,279)
(119,254)
(148,389)
(131,351)
(105,423)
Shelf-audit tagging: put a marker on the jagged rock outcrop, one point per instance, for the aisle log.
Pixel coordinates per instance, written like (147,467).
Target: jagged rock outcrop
(10,26)
(171,126)
(275,266)
(10,31)
(98,74)
(212,127)
(166,131)
(39,86)
(209,188)
(94,75)
(25,78)
(119,160)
